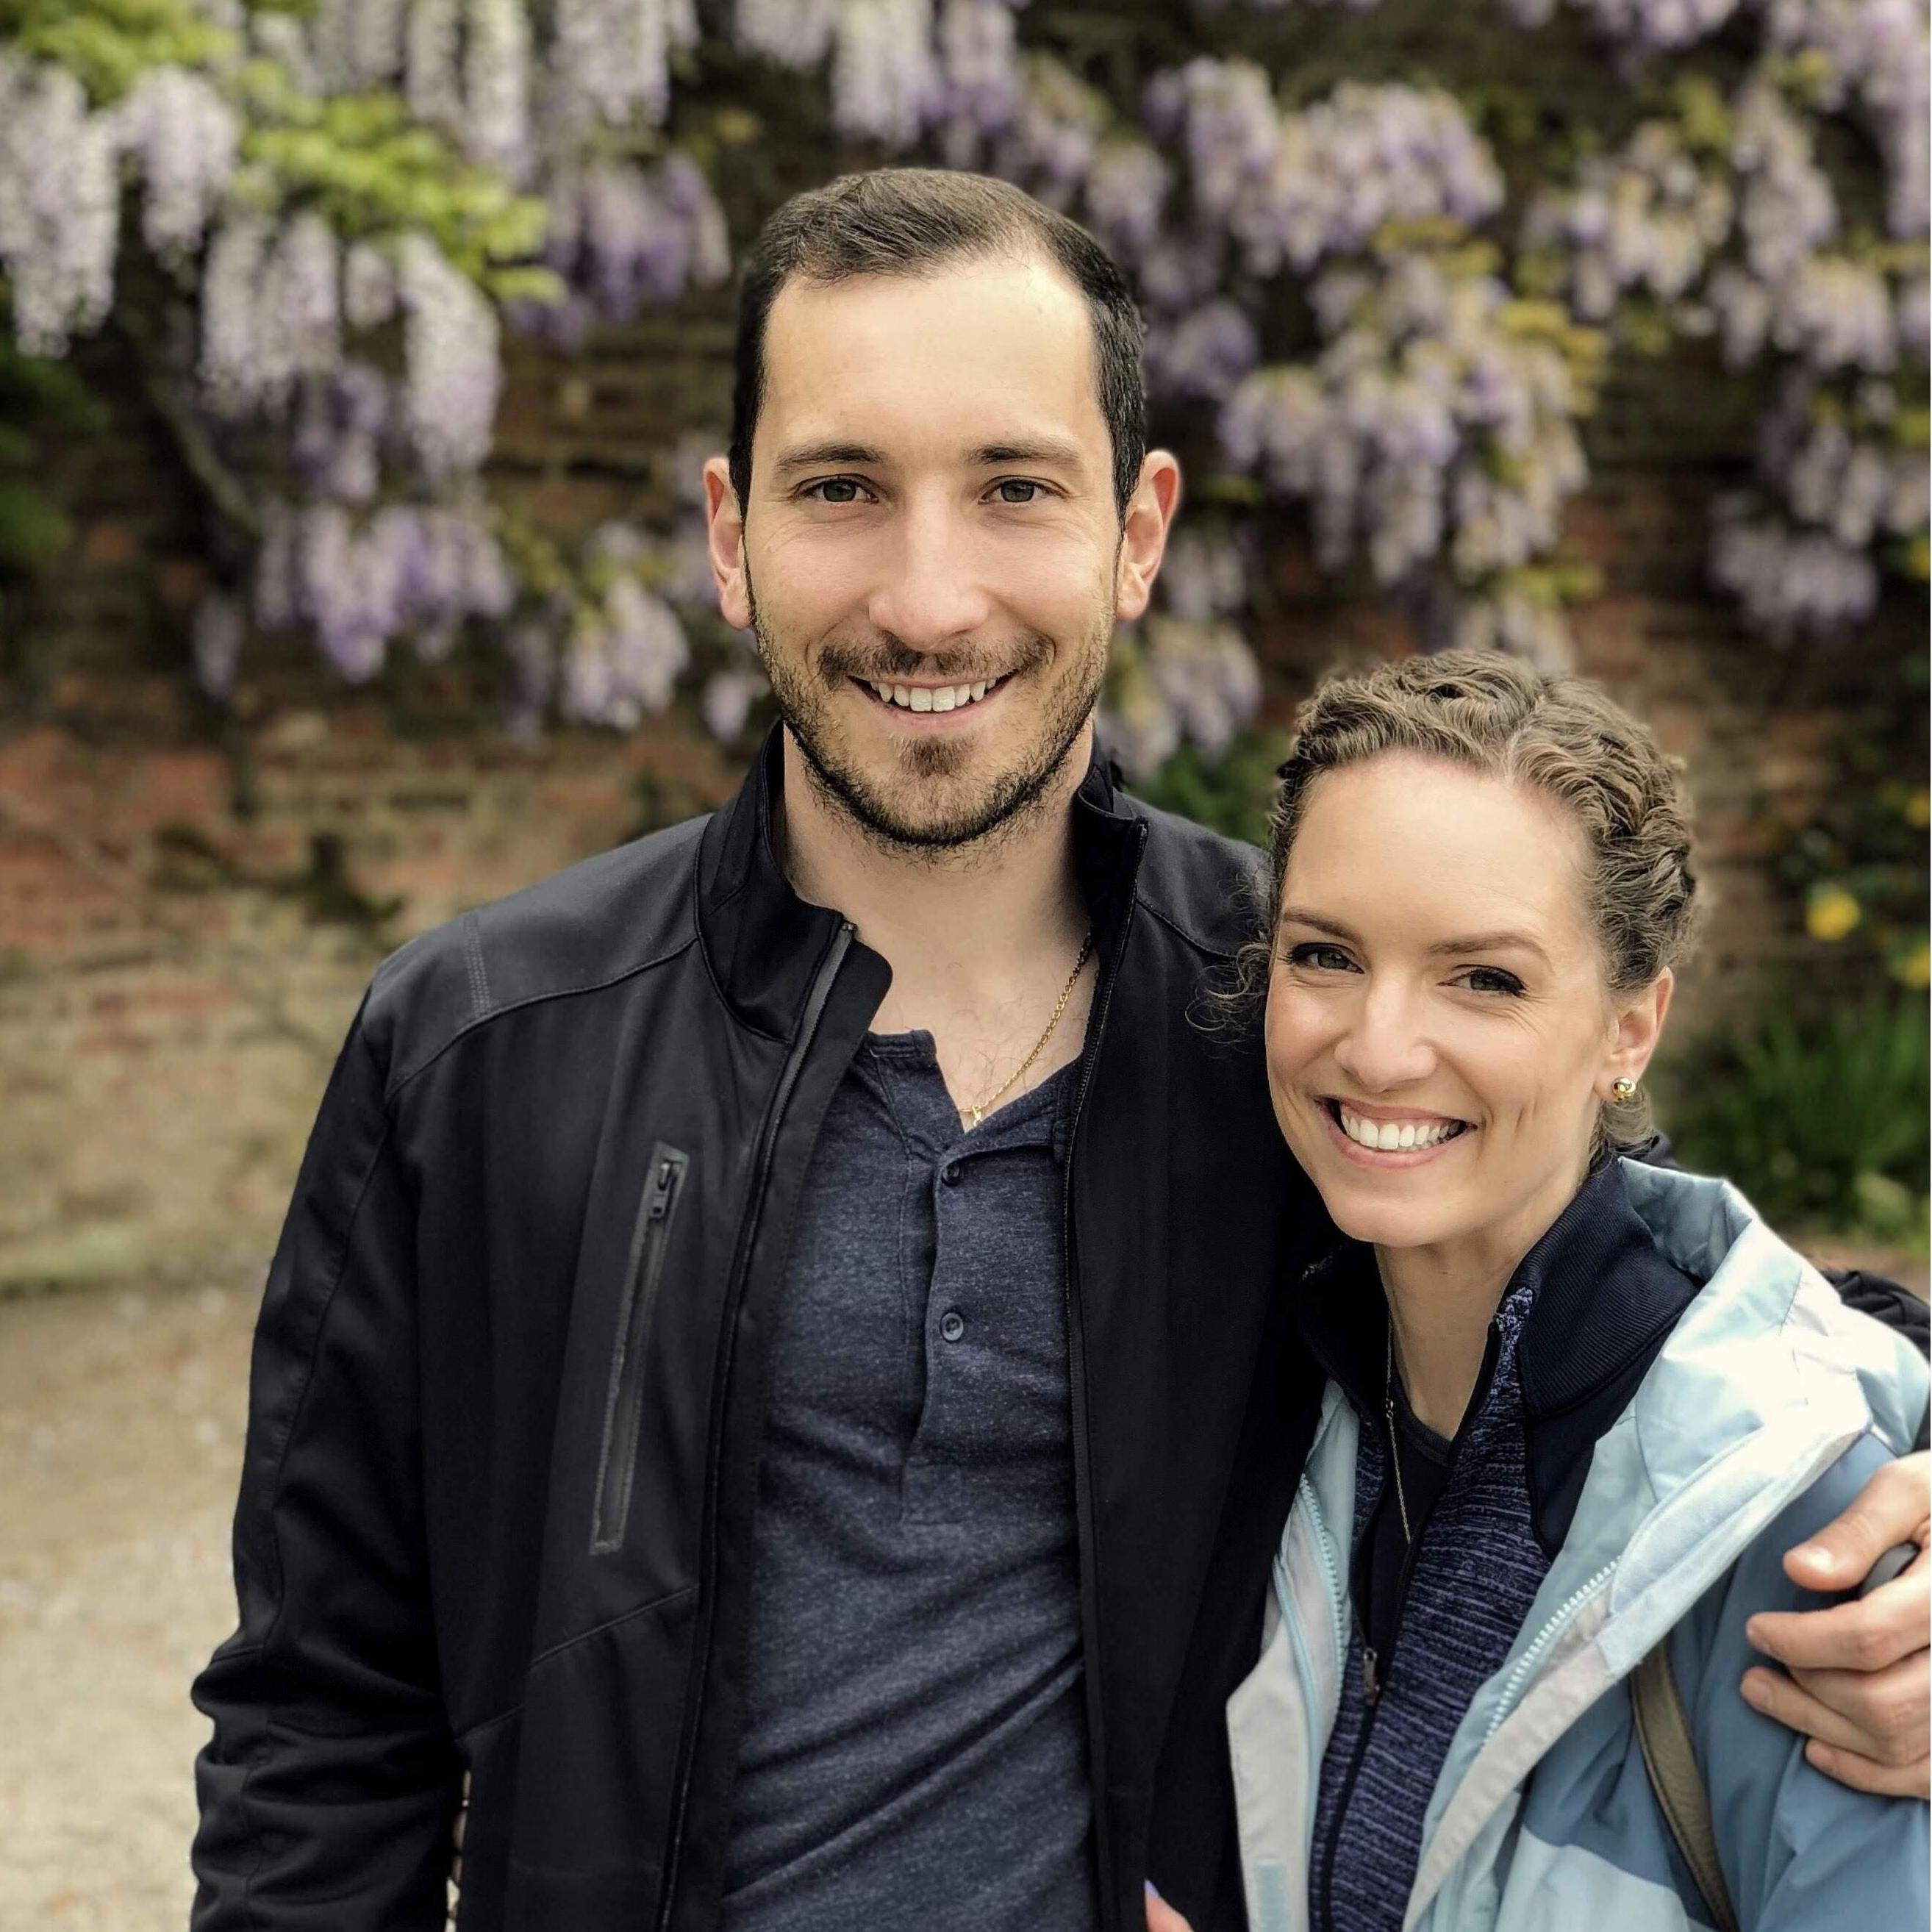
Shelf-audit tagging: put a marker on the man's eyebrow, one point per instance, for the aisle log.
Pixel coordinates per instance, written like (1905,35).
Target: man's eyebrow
(830,455)
(1029,449)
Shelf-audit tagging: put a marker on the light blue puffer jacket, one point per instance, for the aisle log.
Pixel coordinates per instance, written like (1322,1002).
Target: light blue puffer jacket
(1767,1409)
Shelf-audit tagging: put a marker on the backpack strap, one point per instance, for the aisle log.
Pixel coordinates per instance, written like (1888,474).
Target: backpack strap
(1663,1735)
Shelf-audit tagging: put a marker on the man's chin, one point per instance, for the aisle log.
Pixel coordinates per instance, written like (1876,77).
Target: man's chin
(931,798)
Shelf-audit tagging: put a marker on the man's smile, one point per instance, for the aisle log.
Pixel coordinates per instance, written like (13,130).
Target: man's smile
(929,702)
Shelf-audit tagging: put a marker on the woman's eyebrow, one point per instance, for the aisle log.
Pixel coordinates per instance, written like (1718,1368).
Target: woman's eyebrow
(1491,942)
(1300,916)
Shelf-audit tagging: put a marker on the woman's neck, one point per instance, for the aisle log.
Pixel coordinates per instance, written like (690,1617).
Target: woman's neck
(1442,1296)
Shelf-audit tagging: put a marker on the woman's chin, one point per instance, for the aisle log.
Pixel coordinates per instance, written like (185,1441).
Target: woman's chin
(1384,1225)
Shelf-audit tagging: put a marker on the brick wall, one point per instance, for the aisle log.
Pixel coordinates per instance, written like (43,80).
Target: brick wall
(190,905)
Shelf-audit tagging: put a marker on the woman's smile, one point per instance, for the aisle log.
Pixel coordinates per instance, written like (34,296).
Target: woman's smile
(1391,1138)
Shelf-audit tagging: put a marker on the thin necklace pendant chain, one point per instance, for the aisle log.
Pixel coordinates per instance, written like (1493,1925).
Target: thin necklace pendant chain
(974,1115)
(1395,1447)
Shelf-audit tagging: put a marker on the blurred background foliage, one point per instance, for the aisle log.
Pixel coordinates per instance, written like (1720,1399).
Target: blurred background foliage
(1383,292)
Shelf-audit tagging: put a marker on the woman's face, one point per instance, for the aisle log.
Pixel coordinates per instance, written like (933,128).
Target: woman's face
(1440,1035)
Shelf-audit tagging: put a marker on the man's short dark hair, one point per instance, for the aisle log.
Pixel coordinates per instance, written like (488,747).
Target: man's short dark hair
(906,221)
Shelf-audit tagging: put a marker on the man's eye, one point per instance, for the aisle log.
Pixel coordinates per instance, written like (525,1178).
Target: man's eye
(1017,490)
(836,490)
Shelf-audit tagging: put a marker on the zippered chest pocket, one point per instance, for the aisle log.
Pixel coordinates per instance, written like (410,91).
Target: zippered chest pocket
(616,1462)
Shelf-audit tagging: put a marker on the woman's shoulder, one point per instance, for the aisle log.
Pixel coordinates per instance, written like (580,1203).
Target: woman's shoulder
(1765,1324)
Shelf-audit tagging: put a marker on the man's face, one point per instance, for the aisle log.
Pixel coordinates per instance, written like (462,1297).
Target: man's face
(932,559)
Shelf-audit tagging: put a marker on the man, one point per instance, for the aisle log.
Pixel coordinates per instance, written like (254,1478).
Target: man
(755,1367)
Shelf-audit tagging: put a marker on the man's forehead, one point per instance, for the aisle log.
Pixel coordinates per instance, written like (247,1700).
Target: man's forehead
(973,354)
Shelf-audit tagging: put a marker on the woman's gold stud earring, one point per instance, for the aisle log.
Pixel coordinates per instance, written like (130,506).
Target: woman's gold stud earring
(1623,1091)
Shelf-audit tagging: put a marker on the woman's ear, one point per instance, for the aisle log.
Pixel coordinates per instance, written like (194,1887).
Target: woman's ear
(1638,1027)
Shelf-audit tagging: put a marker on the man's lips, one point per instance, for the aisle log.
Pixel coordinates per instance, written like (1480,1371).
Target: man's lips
(926,698)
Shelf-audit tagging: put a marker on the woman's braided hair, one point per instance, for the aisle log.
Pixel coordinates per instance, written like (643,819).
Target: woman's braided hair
(1562,735)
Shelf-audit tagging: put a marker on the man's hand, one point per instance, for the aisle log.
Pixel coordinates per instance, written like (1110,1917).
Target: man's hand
(1859,1676)
(1162,1917)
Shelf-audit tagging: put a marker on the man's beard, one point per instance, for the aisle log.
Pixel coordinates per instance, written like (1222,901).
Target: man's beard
(885,808)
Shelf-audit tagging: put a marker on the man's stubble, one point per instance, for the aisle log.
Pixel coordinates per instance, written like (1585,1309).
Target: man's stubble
(1011,797)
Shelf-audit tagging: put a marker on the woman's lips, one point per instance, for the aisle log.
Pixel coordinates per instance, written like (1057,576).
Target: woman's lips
(1429,1135)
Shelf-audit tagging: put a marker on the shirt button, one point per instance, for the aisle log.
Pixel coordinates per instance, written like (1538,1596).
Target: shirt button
(952,1324)
(952,1173)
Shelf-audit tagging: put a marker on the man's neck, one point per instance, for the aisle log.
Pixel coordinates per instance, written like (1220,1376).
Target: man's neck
(980,940)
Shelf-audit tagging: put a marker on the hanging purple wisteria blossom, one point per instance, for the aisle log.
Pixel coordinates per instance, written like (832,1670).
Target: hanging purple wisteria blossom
(183,136)
(610,59)
(1127,188)
(453,373)
(795,34)
(623,660)
(622,236)
(885,75)
(59,204)
(433,55)
(1790,581)
(726,705)
(496,125)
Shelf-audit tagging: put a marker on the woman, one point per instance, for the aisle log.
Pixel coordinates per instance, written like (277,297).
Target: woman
(1577,1406)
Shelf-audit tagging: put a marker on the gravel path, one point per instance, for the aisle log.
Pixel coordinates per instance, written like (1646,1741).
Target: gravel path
(121,1418)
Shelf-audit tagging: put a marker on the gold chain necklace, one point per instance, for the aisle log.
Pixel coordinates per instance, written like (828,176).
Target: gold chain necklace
(974,1115)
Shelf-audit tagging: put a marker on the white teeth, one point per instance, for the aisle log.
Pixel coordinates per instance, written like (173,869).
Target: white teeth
(947,698)
(1393,1137)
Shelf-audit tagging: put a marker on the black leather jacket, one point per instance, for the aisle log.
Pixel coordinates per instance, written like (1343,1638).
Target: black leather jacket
(507,1395)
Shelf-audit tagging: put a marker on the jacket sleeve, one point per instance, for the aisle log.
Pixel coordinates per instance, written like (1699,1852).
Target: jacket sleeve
(329,1789)
(1800,1851)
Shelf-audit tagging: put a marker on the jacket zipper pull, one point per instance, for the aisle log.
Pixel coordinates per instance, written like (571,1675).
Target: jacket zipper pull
(1371,1688)
(661,1191)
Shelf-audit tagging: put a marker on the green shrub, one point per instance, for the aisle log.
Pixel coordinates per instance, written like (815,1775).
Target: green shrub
(1817,1111)
(1232,794)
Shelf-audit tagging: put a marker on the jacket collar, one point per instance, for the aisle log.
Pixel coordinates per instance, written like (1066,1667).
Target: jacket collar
(764,942)
(1601,1298)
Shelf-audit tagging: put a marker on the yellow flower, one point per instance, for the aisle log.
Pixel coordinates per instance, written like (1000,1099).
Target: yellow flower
(1831,913)
(1918,808)
(1914,969)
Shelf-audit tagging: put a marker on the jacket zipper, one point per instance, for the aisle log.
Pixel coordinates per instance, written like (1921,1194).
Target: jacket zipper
(815,1011)
(623,1410)
(1375,1671)
(1076,1380)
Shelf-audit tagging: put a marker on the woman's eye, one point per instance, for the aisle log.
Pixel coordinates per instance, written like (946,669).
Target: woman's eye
(1492,979)
(835,489)
(1320,958)
(1028,493)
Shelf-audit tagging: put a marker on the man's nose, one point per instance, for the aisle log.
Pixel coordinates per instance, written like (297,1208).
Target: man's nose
(932,593)
(1384,1046)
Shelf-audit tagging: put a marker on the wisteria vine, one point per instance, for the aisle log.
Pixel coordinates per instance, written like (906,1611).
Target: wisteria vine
(338,213)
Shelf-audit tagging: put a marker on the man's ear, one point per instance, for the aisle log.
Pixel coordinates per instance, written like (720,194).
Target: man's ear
(724,540)
(1151,512)
(1640,1027)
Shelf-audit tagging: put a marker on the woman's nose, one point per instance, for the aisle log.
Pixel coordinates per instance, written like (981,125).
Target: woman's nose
(1384,1047)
